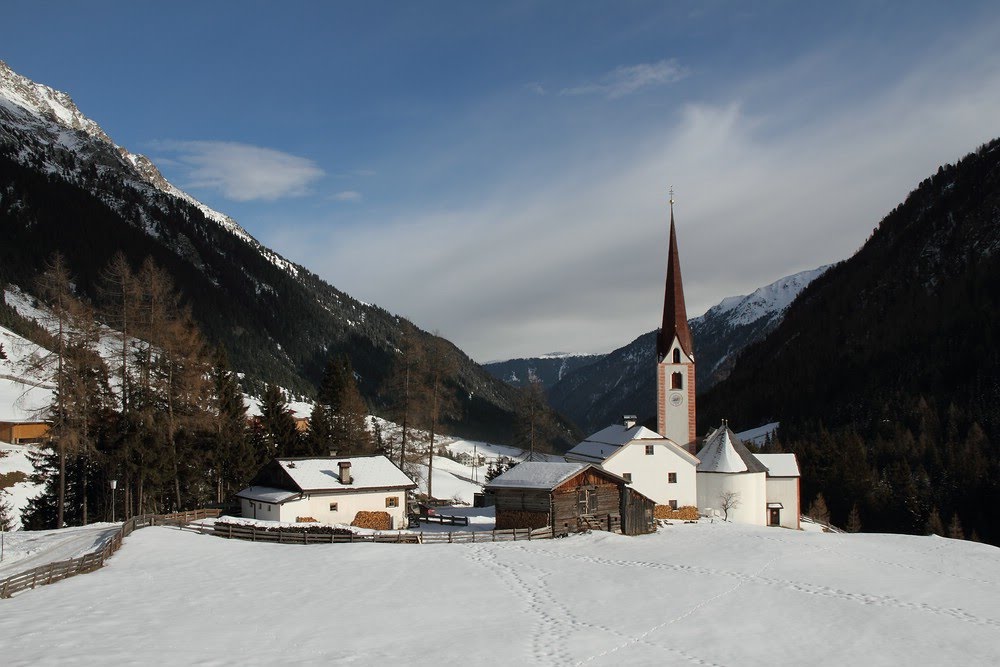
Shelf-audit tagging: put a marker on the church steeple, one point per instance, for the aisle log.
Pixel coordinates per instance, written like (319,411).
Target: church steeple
(674,312)
(675,376)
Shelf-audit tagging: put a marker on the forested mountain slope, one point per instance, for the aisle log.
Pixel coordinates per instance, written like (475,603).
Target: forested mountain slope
(885,373)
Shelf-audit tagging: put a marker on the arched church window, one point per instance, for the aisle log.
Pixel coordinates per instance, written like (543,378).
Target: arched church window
(677,356)
(676,381)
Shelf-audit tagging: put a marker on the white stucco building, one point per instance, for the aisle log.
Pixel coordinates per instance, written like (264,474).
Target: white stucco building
(762,489)
(655,466)
(327,489)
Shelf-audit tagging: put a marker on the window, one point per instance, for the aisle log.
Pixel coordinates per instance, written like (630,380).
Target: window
(627,476)
(671,478)
(392,501)
(333,507)
(649,450)
(677,356)
(268,508)
(673,504)
(676,381)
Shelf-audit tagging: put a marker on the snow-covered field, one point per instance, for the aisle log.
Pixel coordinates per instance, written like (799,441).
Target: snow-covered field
(715,594)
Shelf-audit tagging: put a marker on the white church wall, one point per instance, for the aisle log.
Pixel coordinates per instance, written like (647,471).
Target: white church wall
(675,407)
(651,472)
(752,490)
(785,490)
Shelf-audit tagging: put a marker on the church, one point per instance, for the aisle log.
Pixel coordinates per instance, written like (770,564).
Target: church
(719,475)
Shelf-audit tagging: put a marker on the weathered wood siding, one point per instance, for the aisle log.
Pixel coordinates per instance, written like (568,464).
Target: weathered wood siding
(587,493)
(521,508)
(638,513)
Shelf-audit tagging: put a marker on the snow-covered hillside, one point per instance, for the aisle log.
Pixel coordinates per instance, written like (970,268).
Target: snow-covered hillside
(42,111)
(707,594)
(770,301)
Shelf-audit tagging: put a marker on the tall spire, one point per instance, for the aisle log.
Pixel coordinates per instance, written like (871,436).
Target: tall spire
(674,313)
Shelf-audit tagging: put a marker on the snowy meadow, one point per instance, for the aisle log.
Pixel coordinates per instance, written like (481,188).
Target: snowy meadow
(706,593)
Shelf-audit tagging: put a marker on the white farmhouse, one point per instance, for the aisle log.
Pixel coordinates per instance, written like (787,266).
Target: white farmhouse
(759,489)
(655,466)
(327,489)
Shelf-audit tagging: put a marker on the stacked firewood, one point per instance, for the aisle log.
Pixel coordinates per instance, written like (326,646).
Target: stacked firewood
(372,520)
(686,513)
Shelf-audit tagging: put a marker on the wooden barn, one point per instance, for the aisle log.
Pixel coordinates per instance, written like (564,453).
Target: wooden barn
(569,497)
(24,431)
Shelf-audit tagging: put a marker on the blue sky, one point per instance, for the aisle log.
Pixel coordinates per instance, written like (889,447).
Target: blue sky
(498,171)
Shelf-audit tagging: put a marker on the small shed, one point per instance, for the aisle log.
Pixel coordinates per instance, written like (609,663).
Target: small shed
(569,497)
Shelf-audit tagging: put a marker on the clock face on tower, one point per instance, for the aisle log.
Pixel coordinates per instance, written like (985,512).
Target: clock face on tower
(676,399)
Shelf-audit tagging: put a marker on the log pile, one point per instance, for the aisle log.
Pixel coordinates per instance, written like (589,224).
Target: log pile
(686,513)
(305,519)
(372,520)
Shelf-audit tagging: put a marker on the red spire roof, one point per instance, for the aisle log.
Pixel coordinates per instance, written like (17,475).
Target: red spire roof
(674,313)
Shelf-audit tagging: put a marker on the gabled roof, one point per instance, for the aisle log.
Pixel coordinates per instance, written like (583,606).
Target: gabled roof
(724,452)
(543,475)
(607,442)
(780,465)
(323,474)
(675,324)
(267,495)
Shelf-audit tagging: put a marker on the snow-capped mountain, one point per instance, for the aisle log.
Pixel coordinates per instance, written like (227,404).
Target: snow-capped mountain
(66,186)
(624,382)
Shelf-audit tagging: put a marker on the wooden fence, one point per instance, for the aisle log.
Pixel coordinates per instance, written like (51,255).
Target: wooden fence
(52,572)
(444,519)
(292,536)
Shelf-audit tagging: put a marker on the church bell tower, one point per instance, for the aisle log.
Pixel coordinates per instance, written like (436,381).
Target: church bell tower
(675,401)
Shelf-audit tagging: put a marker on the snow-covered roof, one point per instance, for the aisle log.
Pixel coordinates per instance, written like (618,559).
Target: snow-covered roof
(780,465)
(537,475)
(267,494)
(607,442)
(323,474)
(724,452)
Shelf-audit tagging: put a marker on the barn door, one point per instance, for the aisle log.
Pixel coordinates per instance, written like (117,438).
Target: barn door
(586,500)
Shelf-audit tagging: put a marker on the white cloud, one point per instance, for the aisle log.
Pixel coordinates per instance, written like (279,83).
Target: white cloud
(347,195)
(535,87)
(768,183)
(241,172)
(628,79)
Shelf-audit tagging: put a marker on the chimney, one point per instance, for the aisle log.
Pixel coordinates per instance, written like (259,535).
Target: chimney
(629,421)
(345,472)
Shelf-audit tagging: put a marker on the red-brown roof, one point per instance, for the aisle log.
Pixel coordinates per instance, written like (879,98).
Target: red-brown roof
(674,312)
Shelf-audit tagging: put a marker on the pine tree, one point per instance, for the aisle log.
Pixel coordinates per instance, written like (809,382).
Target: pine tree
(441,402)
(854,520)
(934,525)
(235,460)
(339,421)
(818,511)
(74,368)
(3,354)
(955,531)
(6,520)
(280,433)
